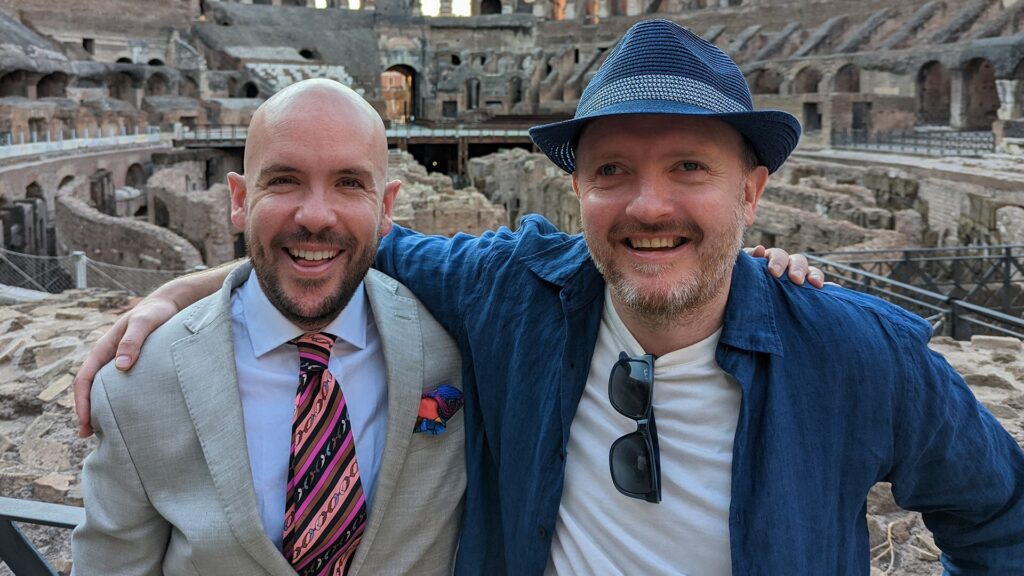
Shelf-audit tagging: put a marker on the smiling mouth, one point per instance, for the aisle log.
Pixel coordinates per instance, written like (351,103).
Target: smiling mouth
(311,255)
(656,244)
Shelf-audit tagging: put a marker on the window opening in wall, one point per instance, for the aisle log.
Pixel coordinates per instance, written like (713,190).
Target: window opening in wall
(576,56)
(812,118)
(156,62)
(861,120)
(456,61)
(490,7)
(249,90)
(450,109)
(398,86)
(124,60)
(309,54)
(38,129)
(89,45)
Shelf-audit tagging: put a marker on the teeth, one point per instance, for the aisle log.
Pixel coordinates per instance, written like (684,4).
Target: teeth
(313,254)
(655,242)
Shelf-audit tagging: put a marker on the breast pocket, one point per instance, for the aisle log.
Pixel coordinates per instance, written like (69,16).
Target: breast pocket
(454,433)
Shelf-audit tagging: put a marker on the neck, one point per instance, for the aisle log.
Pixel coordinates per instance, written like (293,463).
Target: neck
(659,336)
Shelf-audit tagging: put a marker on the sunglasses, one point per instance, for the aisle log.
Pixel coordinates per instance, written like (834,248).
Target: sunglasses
(634,458)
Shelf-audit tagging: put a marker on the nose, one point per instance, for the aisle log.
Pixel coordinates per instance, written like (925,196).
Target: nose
(315,211)
(652,201)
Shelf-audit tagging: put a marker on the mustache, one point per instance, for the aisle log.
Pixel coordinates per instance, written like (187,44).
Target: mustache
(301,235)
(684,228)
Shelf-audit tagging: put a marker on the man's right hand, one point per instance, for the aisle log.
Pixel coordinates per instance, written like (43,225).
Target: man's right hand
(123,341)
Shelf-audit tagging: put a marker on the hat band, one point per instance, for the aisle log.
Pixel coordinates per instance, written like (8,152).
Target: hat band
(660,87)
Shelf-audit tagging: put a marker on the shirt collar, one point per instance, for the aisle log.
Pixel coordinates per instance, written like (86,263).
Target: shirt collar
(268,328)
(749,313)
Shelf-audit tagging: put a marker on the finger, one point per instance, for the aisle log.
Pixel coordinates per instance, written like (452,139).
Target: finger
(815,277)
(102,351)
(756,251)
(778,259)
(798,268)
(82,407)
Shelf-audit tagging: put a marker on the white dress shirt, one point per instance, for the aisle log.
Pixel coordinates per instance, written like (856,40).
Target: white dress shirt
(268,377)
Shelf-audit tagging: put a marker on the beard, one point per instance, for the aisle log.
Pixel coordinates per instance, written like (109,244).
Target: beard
(716,257)
(302,312)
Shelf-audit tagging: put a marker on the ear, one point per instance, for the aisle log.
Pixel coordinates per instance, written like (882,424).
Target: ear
(236,183)
(753,188)
(576,185)
(388,204)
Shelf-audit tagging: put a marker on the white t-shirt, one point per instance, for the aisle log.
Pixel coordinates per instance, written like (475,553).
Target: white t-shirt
(696,406)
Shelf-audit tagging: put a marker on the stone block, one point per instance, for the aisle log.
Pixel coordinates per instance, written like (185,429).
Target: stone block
(45,455)
(988,381)
(53,390)
(998,343)
(52,487)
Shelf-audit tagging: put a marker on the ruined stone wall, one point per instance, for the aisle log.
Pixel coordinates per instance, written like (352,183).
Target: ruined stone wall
(121,241)
(200,216)
(524,183)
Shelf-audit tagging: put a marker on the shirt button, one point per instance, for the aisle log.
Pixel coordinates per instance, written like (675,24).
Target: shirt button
(542,532)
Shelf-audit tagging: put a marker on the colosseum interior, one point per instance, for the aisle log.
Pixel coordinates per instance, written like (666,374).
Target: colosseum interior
(119,120)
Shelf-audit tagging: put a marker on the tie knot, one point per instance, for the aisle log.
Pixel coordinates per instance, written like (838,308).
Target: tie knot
(314,347)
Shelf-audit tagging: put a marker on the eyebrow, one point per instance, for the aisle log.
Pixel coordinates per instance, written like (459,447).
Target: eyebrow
(275,169)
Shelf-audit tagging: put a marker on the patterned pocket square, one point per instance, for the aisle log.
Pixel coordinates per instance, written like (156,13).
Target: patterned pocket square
(436,408)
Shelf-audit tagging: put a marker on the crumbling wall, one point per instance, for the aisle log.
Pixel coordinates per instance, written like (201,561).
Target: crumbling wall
(200,216)
(121,241)
(524,183)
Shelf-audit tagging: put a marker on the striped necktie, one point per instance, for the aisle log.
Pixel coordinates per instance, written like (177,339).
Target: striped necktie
(325,512)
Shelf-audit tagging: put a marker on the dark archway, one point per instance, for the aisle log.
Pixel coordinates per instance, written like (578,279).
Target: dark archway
(472,94)
(121,87)
(135,177)
(398,84)
(249,90)
(124,60)
(155,62)
(157,85)
(309,54)
(52,86)
(807,81)
(14,84)
(981,99)
(65,181)
(933,94)
(490,7)
(765,81)
(847,79)
(515,90)
(188,87)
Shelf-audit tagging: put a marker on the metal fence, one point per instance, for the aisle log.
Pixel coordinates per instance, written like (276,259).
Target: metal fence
(949,315)
(33,144)
(56,274)
(213,134)
(15,549)
(927,142)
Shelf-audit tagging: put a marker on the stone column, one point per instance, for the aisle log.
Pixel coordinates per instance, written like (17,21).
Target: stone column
(957,98)
(1009,107)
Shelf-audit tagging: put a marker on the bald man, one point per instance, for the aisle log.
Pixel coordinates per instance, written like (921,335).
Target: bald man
(222,452)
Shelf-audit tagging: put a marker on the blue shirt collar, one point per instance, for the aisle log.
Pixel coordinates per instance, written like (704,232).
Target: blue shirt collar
(268,328)
(749,316)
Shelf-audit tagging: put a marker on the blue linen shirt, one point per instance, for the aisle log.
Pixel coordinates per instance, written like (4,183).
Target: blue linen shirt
(840,391)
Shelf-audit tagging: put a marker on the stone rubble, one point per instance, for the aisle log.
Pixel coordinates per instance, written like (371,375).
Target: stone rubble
(43,342)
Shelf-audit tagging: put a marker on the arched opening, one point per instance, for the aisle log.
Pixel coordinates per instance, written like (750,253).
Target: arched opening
(490,7)
(472,94)
(765,81)
(52,86)
(34,190)
(848,79)
(398,84)
(135,177)
(121,87)
(124,60)
(456,61)
(249,90)
(14,84)
(807,80)
(309,54)
(157,85)
(980,95)
(933,94)
(64,182)
(515,90)
(155,62)
(188,87)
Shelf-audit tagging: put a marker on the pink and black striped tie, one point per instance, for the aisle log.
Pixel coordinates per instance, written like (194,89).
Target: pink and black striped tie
(326,510)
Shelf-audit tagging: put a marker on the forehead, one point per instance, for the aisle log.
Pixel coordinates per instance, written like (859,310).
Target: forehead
(637,133)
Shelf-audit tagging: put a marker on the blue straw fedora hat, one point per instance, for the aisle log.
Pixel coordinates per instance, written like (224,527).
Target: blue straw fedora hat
(659,67)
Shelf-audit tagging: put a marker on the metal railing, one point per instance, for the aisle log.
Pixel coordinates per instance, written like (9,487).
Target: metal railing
(927,142)
(15,549)
(949,316)
(213,134)
(56,274)
(34,144)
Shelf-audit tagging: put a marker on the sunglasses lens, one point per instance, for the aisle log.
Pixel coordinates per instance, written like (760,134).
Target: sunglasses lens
(630,390)
(632,470)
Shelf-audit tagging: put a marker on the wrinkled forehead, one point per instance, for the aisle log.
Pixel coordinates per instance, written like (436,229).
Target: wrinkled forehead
(624,132)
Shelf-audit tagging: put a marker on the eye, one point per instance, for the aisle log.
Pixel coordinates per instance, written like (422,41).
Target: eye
(281,181)
(690,166)
(350,183)
(608,170)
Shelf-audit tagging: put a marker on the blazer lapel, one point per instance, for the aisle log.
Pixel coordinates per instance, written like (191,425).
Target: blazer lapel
(398,323)
(205,367)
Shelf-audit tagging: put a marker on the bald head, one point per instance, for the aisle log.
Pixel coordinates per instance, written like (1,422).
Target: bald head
(326,103)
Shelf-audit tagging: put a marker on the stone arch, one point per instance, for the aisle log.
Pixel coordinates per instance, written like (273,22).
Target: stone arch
(34,190)
(155,62)
(188,87)
(981,99)
(121,86)
(472,94)
(65,181)
(847,79)
(765,81)
(933,94)
(250,90)
(398,84)
(490,7)
(14,84)
(52,85)
(309,53)
(124,60)
(157,85)
(135,177)
(806,80)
